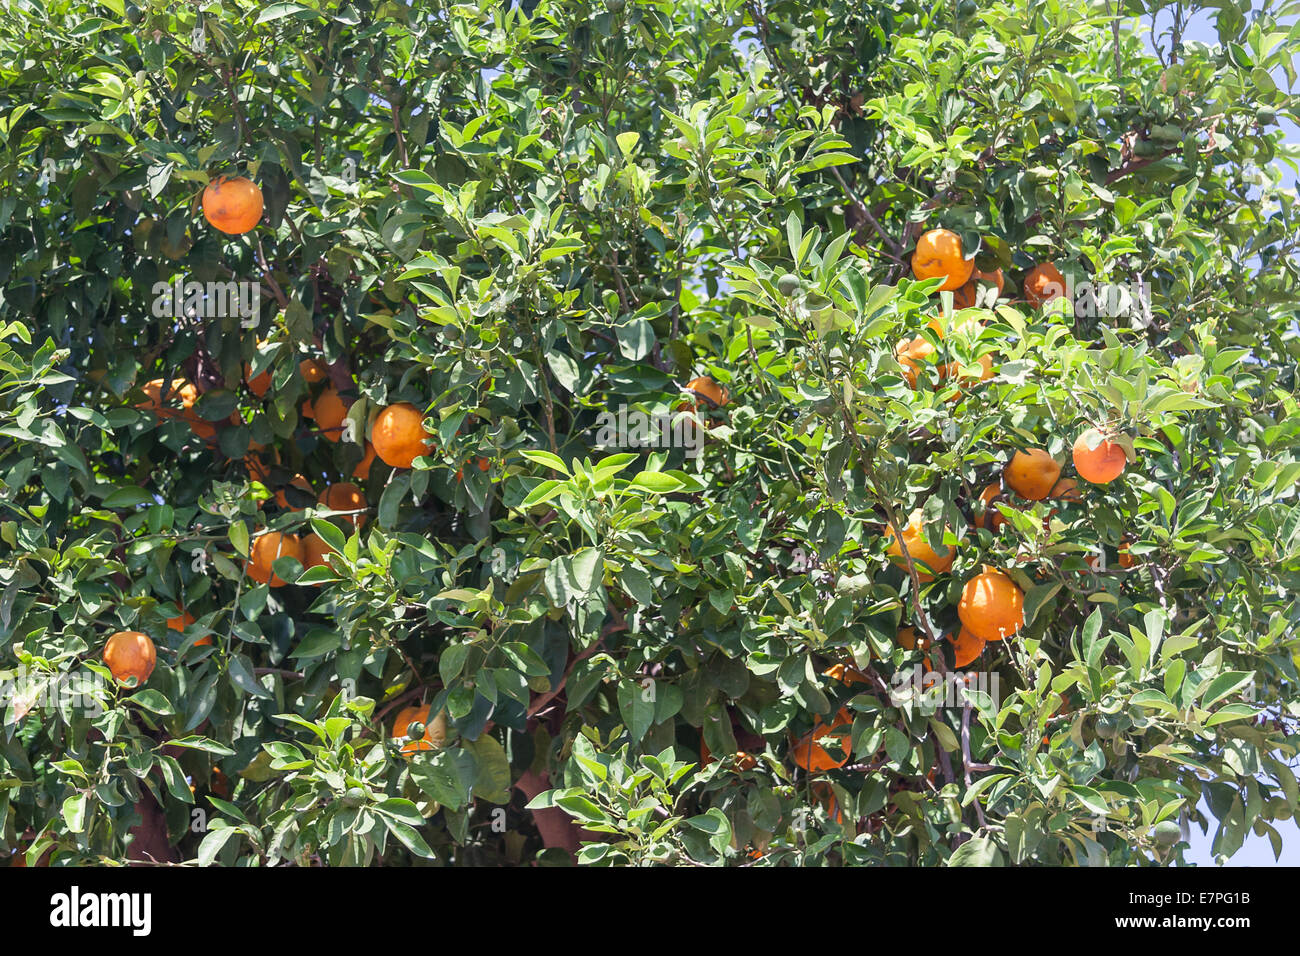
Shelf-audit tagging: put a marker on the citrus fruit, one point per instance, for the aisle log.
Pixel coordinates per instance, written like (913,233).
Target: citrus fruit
(300,483)
(399,437)
(233,206)
(919,549)
(992,518)
(965,647)
(266,548)
(707,388)
(329,411)
(1097,459)
(312,371)
(991,605)
(130,654)
(345,496)
(363,466)
(1067,489)
(1032,473)
(812,756)
(314,550)
(435,731)
(1043,283)
(939,253)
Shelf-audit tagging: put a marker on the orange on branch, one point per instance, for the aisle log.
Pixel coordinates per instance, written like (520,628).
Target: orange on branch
(1032,473)
(1043,283)
(965,647)
(234,206)
(266,548)
(130,654)
(362,470)
(991,518)
(812,756)
(399,437)
(991,605)
(1097,459)
(435,731)
(707,388)
(919,549)
(312,371)
(939,254)
(330,410)
(345,496)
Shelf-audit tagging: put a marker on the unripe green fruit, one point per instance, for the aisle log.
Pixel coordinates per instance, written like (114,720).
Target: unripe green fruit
(1265,116)
(1165,220)
(788,284)
(354,797)
(1108,727)
(133,14)
(1167,833)
(414,730)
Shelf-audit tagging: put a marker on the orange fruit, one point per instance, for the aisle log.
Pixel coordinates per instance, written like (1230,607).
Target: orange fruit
(1067,489)
(825,795)
(991,605)
(908,640)
(483,465)
(1126,560)
(180,391)
(965,647)
(435,731)
(266,548)
(184,620)
(312,371)
(329,411)
(911,353)
(314,550)
(130,654)
(345,496)
(992,518)
(707,388)
(363,466)
(939,253)
(399,437)
(954,369)
(745,761)
(258,384)
(233,206)
(993,278)
(812,756)
(846,674)
(300,482)
(919,548)
(1043,283)
(1097,459)
(1032,473)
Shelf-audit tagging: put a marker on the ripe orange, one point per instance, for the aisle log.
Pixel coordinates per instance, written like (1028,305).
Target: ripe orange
(1126,559)
(812,756)
(329,411)
(1043,283)
(1098,459)
(399,437)
(965,647)
(1067,489)
(991,517)
(363,466)
(939,253)
(908,640)
(993,278)
(302,484)
(312,371)
(1031,474)
(919,548)
(954,369)
(267,547)
(314,550)
(435,731)
(184,620)
(345,496)
(846,673)
(258,384)
(911,353)
(483,465)
(991,605)
(130,654)
(745,761)
(825,795)
(707,388)
(182,392)
(233,206)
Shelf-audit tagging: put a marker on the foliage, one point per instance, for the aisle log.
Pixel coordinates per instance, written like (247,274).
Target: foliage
(521,217)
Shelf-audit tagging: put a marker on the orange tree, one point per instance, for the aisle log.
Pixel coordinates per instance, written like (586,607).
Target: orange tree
(593,449)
